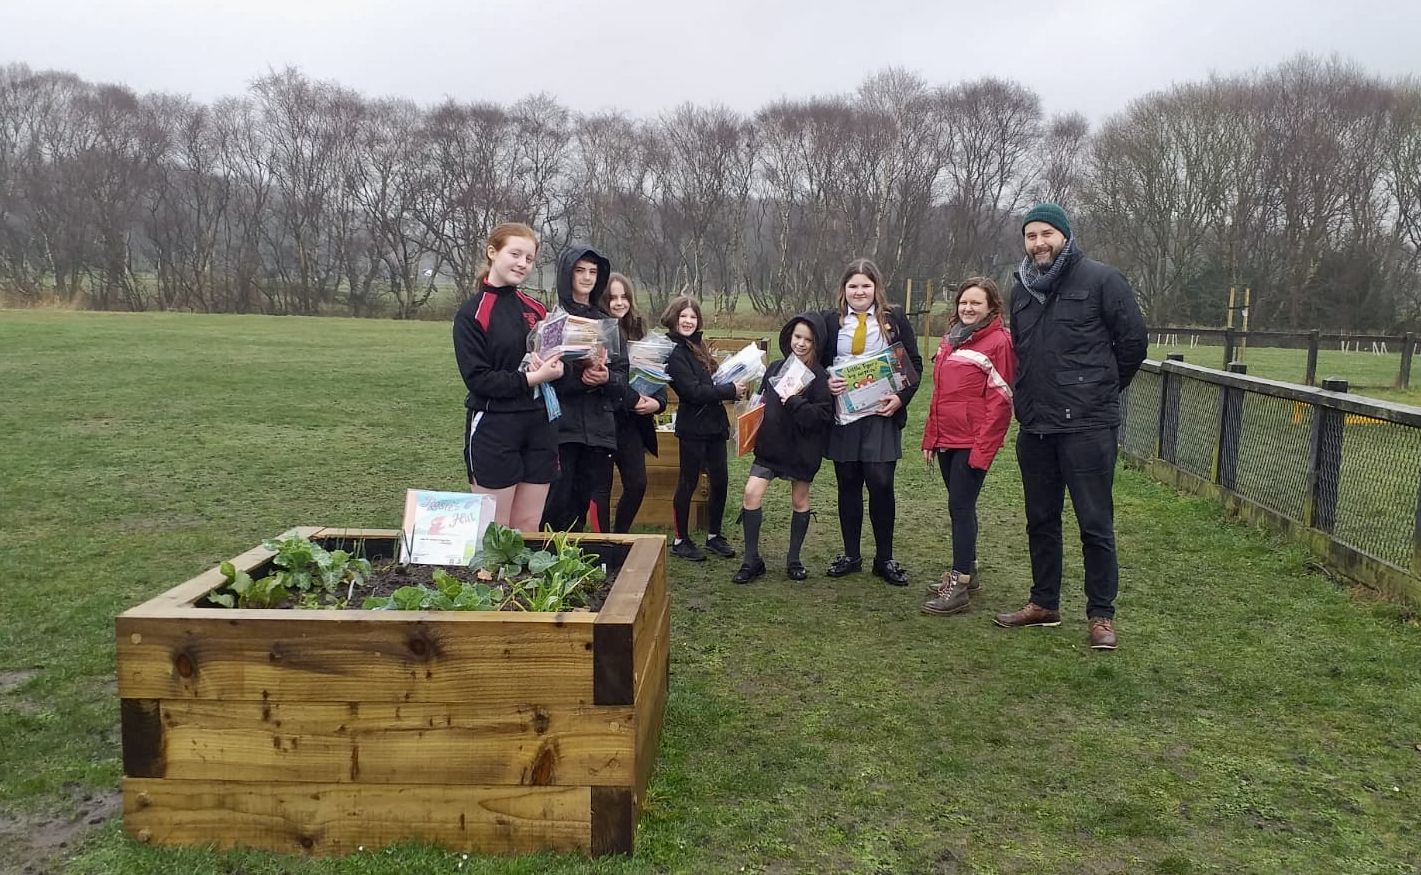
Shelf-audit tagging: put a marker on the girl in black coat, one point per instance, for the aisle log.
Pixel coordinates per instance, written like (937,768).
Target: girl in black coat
(702,428)
(866,452)
(791,444)
(636,421)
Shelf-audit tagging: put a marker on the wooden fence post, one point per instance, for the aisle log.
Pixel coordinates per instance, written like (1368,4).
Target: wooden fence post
(1325,467)
(1311,377)
(1229,341)
(1230,427)
(1403,377)
(1169,410)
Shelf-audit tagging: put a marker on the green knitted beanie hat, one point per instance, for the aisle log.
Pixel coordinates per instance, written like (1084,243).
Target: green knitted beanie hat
(1052,215)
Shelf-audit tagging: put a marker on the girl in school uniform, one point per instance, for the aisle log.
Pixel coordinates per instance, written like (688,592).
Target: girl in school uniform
(702,428)
(636,421)
(865,453)
(966,425)
(510,447)
(790,445)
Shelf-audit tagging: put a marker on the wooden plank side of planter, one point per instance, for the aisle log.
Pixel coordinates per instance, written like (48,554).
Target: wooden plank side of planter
(356,658)
(651,704)
(381,743)
(341,818)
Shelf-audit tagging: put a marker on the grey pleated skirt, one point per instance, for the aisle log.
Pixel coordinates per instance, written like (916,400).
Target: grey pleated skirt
(871,439)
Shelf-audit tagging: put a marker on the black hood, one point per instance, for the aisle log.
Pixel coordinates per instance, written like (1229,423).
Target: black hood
(816,327)
(569,258)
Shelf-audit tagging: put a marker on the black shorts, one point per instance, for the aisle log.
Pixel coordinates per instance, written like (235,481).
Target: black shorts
(502,449)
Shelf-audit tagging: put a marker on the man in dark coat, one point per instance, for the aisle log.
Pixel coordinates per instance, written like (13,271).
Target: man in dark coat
(588,392)
(1079,341)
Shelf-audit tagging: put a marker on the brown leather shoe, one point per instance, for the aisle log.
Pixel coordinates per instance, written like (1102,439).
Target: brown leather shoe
(1102,633)
(1031,615)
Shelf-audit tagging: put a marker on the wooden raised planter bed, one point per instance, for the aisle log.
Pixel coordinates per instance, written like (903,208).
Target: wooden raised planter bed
(320,732)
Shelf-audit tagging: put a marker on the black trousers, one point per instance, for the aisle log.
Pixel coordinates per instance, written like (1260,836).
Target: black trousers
(581,468)
(699,454)
(964,484)
(630,461)
(882,505)
(1084,463)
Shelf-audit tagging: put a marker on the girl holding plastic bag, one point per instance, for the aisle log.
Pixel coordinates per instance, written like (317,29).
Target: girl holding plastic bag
(866,452)
(799,411)
(636,421)
(702,428)
(590,390)
(510,447)
(967,423)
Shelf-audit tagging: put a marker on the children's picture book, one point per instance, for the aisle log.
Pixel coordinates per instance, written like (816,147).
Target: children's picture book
(871,378)
(443,528)
(749,416)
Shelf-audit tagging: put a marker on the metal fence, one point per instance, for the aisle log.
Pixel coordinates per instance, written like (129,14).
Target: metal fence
(1341,472)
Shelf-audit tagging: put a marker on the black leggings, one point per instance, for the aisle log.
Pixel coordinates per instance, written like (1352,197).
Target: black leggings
(964,484)
(581,468)
(697,454)
(630,461)
(882,505)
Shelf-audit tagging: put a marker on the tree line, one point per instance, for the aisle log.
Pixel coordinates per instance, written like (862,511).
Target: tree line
(300,196)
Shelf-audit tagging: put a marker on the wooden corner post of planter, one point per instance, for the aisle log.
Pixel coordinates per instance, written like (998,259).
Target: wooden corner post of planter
(319,732)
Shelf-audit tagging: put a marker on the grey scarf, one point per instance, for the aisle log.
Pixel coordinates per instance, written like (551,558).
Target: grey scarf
(961,332)
(1041,284)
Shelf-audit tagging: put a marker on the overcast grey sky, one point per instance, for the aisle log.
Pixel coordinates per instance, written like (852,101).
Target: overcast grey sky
(644,56)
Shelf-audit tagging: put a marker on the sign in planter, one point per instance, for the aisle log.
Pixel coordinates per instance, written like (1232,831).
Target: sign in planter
(324,731)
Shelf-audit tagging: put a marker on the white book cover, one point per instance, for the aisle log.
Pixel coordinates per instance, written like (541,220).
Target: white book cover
(444,528)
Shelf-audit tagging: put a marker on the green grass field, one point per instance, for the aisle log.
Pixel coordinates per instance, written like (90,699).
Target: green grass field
(1258,717)
(1366,373)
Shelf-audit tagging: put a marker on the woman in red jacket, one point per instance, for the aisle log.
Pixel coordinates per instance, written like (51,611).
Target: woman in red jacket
(971,410)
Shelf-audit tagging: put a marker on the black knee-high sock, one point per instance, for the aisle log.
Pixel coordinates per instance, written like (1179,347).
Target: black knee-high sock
(798,528)
(750,519)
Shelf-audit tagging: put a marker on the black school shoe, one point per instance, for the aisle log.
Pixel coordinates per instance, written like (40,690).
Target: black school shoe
(891,571)
(844,565)
(749,571)
(719,546)
(797,571)
(687,549)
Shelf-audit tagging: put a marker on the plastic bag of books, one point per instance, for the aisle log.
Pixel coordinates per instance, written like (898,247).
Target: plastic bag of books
(745,367)
(749,415)
(870,379)
(792,378)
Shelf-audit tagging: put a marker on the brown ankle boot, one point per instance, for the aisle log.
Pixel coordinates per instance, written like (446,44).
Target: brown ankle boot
(1102,633)
(953,596)
(1031,615)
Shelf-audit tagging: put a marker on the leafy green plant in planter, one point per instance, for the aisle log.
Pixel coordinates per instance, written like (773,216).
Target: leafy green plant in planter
(509,575)
(307,574)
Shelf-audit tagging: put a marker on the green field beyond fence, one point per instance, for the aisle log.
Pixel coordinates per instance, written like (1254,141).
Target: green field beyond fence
(1258,718)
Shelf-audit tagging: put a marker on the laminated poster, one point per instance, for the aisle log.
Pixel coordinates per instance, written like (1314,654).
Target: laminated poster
(443,528)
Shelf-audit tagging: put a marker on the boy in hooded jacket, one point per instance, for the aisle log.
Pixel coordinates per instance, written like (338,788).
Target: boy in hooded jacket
(793,437)
(589,392)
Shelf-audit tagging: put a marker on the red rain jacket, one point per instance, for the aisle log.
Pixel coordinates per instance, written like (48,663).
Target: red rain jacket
(971,406)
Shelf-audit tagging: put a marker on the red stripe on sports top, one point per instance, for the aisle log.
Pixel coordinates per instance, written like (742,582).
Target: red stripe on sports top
(532,302)
(485,310)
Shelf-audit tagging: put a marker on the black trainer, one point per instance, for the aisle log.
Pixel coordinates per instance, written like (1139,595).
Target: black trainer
(687,549)
(721,547)
(749,571)
(891,571)
(844,565)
